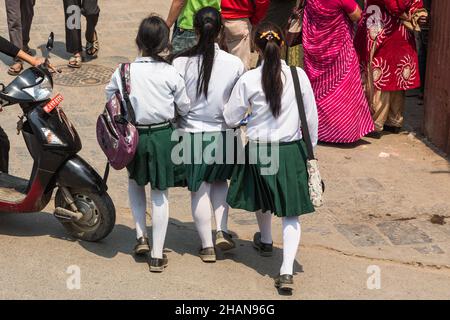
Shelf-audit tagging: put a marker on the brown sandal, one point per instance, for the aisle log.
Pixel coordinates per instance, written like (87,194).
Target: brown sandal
(92,48)
(75,62)
(13,70)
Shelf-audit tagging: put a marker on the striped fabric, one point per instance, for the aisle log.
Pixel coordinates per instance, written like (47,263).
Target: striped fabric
(332,65)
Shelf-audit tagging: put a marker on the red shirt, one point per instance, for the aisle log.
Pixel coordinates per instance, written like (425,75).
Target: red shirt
(255,10)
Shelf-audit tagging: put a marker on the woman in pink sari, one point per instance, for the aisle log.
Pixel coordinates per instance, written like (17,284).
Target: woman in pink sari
(332,65)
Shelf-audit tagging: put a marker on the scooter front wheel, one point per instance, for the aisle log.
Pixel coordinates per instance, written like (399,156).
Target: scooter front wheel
(99,215)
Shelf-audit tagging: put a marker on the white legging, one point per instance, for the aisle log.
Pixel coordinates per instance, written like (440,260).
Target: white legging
(215,195)
(291,238)
(160,215)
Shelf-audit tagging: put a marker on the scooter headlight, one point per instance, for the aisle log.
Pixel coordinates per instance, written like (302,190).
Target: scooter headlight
(51,137)
(42,91)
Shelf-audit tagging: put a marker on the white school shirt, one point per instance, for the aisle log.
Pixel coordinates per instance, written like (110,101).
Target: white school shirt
(156,90)
(206,114)
(262,125)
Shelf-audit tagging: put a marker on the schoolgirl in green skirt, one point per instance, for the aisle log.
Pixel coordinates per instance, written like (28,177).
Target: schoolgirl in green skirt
(158,93)
(210,75)
(274,179)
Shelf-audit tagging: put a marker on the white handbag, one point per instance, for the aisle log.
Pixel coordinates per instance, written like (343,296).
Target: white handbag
(315,182)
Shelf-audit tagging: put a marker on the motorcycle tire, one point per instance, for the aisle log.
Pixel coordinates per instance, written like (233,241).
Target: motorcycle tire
(98,211)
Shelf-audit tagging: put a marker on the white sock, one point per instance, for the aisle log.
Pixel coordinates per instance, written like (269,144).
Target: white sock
(201,212)
(138,204)
(265,226)
(291,240)
(160,221)
(219,192)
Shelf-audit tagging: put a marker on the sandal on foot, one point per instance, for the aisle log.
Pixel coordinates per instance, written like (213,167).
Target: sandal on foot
(92,48)
(15,69)
(75,62)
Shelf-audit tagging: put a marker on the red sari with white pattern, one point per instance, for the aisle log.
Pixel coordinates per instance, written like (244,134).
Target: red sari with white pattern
(395,65)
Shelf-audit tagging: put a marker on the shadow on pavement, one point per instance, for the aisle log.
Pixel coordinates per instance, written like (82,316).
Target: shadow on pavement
(344,145)
(5,59)
(32,225)
(181,238)
(59,50)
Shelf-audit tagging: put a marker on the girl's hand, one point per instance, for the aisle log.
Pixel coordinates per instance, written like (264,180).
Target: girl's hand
(37,61)
(40,60)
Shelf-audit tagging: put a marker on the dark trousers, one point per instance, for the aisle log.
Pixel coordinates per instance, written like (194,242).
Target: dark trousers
(73,9)
(19,14)
(4,151)
(423,54)
(279,12)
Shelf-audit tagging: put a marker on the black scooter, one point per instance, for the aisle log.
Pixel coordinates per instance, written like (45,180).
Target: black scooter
(82,202)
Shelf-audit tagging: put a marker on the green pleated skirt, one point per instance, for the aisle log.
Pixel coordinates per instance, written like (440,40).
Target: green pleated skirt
(152,162)
(271,185)
(208,160)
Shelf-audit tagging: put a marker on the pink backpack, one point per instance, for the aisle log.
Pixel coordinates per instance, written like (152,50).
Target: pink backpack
(116,132)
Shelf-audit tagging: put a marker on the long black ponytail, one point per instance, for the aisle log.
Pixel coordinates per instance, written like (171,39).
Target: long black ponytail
(207,24)
(269,39)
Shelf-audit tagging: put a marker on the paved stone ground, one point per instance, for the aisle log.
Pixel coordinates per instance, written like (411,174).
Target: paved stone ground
(387,205)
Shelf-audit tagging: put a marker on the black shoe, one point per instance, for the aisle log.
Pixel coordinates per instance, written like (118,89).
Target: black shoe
(208,255)
(224,241)
(284,282)
(158,265)
(142,247)
(374,135)
(264,249)
(391,129)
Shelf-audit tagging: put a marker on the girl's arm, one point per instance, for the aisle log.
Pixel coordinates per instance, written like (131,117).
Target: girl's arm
(237,106)
(182,101)
(11,50)
(34,61)
(309,102)
(113,85)
(8,48)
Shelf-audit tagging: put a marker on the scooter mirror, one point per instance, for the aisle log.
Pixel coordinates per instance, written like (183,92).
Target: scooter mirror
(51,40)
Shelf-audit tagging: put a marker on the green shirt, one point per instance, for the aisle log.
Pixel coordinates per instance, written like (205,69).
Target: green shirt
(186,18)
